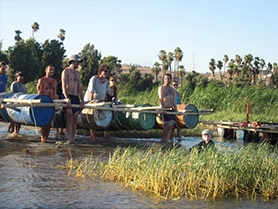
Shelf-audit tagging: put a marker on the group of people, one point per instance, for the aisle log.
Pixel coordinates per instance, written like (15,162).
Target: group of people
(100,89)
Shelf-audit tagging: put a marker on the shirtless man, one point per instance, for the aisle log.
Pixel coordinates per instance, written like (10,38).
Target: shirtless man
(167,98)
(72,89)
(47,86)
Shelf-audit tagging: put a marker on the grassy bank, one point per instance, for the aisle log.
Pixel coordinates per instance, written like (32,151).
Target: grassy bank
(228,102)
(249,172)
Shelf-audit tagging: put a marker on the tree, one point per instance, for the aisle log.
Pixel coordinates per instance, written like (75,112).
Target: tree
(219,66)
(256,69)
(212,67)
(91,59)
(61,35)
(178,57)
(226,59)
(164,66)
(162,56)
(17,36)
(3,55)
(262,65)
(156,70)
(24,57)
(35,27)
(53,53)
(181,73)
(170,58)
(231,66)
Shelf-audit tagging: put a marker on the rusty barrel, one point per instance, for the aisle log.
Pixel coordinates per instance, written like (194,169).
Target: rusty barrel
(183,121)
(187,121)
(91,118)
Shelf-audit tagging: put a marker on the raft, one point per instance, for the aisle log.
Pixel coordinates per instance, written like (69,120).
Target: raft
(40,110)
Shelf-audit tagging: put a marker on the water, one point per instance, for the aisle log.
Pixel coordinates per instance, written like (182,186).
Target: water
(31,177)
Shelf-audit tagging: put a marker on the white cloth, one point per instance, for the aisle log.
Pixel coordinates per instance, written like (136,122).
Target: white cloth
(97,88)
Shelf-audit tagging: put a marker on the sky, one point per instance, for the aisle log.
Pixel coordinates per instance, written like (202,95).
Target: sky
(135,31)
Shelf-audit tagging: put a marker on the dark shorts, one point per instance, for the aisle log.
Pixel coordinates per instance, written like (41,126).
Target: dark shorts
(168,118)
(74,100)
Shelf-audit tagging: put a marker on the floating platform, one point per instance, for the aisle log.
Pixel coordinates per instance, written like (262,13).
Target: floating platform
(246,131)
(40,110)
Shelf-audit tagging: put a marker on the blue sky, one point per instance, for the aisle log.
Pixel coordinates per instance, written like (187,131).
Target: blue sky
(136,30)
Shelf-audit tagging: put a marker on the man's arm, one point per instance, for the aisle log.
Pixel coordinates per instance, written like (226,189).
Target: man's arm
(39,86)
(64,84)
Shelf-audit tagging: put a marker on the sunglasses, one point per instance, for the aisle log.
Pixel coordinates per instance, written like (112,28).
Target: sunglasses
(106,71)
(112,80)
(175,85)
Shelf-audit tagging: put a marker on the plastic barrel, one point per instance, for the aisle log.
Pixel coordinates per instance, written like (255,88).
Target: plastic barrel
(4,116)
(94,118)
(35,116)
(187,121)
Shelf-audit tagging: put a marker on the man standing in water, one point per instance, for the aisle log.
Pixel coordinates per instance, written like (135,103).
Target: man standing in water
(47,86)
(167,98)
(73,90)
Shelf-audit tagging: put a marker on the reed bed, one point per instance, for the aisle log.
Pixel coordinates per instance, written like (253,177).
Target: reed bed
(249,172)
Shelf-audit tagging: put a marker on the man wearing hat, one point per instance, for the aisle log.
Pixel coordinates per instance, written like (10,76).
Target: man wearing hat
(207,142)
(73,90)
(3,77)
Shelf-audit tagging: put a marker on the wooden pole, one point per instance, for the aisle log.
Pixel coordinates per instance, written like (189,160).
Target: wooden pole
(20,101)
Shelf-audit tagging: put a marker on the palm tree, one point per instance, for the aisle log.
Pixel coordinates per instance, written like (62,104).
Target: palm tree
(178,58)
(256,69)
(181,73)
(164,67)
(248,60)
(231,66)
(61,35)
(17,37)
(35,28)
(156,69)
(162,56)
(212,67)
(262,65)
(226,59)
(219,66)
(170,58)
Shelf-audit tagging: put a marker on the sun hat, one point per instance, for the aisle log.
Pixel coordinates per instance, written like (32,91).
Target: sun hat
(75,58)
(206,131)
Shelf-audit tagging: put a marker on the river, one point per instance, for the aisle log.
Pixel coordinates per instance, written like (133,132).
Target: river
(31,177)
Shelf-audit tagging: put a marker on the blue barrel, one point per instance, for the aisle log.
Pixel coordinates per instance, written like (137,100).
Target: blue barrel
(35,116)
(4,116)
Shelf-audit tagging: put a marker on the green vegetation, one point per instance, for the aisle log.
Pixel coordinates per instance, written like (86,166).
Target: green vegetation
(228,101)
(250,171)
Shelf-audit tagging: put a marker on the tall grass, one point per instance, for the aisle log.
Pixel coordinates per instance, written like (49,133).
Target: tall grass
(228,102)
(250,172)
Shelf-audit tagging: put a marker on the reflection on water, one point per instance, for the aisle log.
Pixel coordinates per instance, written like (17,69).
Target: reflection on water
(30,177)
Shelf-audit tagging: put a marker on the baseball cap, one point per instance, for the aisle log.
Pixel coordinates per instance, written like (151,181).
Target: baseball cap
(206,131)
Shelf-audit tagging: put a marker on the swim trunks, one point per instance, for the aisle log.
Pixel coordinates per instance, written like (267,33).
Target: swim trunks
(74,99)
(169,118)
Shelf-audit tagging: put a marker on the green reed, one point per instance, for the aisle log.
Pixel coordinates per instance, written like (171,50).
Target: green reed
(250,172)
